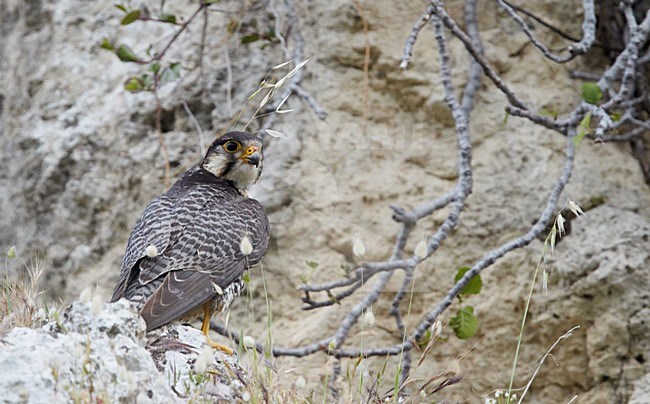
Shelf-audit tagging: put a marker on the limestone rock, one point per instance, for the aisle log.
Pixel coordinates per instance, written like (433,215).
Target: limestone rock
(97,352)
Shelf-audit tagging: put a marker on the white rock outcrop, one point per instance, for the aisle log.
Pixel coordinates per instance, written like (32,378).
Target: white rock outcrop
(94,353)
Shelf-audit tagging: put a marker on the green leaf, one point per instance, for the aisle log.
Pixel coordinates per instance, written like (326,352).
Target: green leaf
(155,67)
(550,113)
(583,129)
(250,38)
(464,323)
(505,119)
(270,35)
(591,93)
(134,84)
(121,7)
(208,2)
(131,17)
(616,116)
(171,73)
(176,69)
(424,340)
(106,44)
(171,18)
(246,277)
(126,54)
(474,285)
(312,264)
(147,82)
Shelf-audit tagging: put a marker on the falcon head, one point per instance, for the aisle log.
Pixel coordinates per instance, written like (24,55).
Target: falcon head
(236,157)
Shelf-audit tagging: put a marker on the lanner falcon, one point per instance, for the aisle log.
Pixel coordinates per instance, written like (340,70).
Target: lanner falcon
(187,253)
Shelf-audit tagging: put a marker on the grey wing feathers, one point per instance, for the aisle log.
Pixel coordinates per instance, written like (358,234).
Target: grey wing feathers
(197,233)
(153,228)
(180,293)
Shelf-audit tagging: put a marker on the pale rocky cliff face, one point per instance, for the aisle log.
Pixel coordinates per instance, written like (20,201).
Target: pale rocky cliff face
(80,160)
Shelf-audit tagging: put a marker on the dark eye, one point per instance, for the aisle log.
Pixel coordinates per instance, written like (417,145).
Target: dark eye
(231,146)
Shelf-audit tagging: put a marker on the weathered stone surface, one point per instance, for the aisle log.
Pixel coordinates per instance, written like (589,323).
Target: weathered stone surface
(80,159)
(97,352)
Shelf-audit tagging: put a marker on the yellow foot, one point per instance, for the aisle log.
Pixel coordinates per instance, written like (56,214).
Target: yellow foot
(216,345)
(205,329)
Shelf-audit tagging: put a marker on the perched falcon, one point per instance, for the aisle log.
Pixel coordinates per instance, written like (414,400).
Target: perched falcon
(187,253)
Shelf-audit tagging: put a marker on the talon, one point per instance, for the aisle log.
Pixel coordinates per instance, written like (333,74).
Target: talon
(218,346)
(205,329)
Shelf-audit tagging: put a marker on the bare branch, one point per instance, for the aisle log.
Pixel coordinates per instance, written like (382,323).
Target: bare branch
(480,59)
(542,22)
(588,29)
(413,36)
(474,73)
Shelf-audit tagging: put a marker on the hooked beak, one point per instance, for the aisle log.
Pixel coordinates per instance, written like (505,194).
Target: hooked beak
(251,156)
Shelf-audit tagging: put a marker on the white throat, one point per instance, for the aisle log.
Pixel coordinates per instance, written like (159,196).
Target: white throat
(242,174)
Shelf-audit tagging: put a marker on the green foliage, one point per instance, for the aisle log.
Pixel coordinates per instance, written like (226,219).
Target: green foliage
(552,113)
(126,54)
(465,323)
(591,93)
(106,44)
(131,17)
(505,119)
(170,18)
(473,287)
(425,339)
(583,129)
(250,38)
(616,116)
(170,73)
(133,84)
(312,264)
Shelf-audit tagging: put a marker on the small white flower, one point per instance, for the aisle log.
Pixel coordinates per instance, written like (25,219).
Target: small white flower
(560,224)
(332,345)
(575,208)
(204,360)
(300,383)
(498,393)
(369,319)
(151,251)
(248,342)
(358,248)
(246,396)
(245,245)
(421,250)
(96,304)
(86,295)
